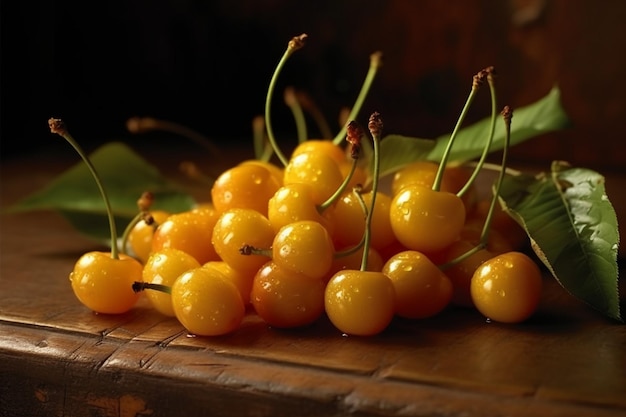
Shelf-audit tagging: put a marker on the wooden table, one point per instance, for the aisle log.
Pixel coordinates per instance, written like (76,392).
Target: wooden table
(59,359)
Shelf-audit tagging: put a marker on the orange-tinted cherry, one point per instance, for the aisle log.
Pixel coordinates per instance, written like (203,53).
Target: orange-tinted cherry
(102,281)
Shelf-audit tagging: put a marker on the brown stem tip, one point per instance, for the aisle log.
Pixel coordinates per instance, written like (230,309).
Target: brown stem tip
(507,114)
(57,126)
(290,96)
(246,250)
(354,135)
(297,42)
(148,218)
(491,73)
(482,75)
(375,125)
(376,59)
(145,201)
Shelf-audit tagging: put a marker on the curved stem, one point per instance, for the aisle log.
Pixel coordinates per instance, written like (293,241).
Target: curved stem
(507,115)
(498,168)
(346,181)
(354,135)
(58,126)
(375,63)
(375,126)
(191,171)
(295,44)
(268,151)
(308,105)
(298,114)
(492,130)
(146,124)
(129,227)
(462,257)
(350,251)
(477,81)
(258,136)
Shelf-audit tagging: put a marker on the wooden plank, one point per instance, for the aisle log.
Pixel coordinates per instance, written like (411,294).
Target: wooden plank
(68,374)
(58,358)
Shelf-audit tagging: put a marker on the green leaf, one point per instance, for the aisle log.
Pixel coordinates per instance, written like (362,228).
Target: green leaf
(397,151)
(573,230)
(542,116)
(125,176)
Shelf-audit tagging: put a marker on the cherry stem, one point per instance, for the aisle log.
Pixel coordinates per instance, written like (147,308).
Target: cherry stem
(507,115)
(58,126)
(481,161)
(351,250)
(258,136)
(142,216)
(498,168)
(191,170)
(139,286)
(263,150)
(375,64)
(310,106)
(354,135)
(295,43)
(375,126)
(146,124)
(251,250)
(340,190)
(476,83)
(292,102)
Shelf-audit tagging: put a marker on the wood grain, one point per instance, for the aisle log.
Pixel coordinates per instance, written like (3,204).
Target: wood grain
(57,358)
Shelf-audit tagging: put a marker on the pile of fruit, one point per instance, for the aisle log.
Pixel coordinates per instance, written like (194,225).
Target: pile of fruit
(313,234)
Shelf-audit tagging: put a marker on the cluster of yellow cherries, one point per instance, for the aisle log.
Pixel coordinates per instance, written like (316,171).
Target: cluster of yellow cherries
(317,236)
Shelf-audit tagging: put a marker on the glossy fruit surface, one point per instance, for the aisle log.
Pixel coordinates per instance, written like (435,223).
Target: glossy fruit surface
(360,176)
(501,222)
(189,231)
(206,303)
(163,268)
(276,171)
(421,289)
(321,146)
(104,284)
(507,288)
(461,273)
(424,173)
(244,186)
(350,220)
(140,238)
(242,280)
(294,202)
(304,247)
(360,303)
(496,242)
(318,170)
(236,228)
(286,299)
(354,260)
(418,172)
(426,220)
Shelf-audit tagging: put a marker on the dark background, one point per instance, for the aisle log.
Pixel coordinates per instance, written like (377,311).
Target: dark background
(207,65)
